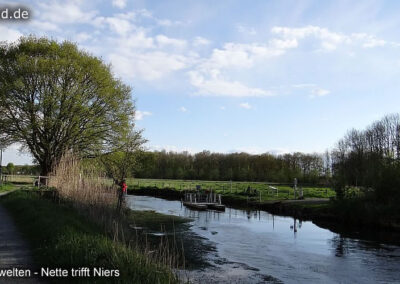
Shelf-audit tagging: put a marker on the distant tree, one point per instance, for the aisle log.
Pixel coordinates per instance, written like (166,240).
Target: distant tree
(370,159)
(10,168)
(55,97)
(122,160)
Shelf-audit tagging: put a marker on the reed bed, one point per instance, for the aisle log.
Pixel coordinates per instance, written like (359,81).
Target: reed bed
(91,193)
(86,189)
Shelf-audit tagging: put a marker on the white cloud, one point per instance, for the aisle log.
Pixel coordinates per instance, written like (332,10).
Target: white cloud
(44,26)
(329,40)
(119,25)
(168,23)
(148,65)
(183,109)
(315,90)
(303,85)
(65,13)
(81,37)
(7,34)
(222,108)
(208,76)
(163,41)
(119,3)
(245,105)
(217,86)
(246,30)
(137,40)
(141,114)
(319,92)
(369,41)
(245,55)
(200,41)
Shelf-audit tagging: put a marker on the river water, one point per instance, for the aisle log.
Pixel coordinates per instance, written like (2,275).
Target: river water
(257,247)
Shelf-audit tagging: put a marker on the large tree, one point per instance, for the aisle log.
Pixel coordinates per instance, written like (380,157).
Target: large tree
(55,97)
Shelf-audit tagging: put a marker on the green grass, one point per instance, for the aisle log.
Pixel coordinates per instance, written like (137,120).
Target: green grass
(6,187)
(154,221)
(62,238)
(235,189)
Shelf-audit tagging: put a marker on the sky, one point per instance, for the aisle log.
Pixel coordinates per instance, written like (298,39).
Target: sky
(232,76)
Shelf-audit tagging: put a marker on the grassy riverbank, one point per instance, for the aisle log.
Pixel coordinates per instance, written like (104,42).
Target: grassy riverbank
(263,190)
(62,238)
(6,187)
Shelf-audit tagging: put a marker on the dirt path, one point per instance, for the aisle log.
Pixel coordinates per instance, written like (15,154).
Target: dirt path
(14,251)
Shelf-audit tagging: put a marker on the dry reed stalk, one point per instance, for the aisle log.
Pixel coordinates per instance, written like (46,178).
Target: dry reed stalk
(91,193)
(85,188)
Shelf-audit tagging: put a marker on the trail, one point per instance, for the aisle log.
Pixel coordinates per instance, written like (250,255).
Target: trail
(14,250)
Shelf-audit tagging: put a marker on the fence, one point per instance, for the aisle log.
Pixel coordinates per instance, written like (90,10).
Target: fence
(25,179)
(268,190)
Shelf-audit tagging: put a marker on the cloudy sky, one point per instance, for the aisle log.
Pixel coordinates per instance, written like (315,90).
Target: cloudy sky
(225,76)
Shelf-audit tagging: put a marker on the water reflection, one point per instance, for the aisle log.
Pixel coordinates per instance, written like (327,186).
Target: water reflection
(340,245)
(281,247)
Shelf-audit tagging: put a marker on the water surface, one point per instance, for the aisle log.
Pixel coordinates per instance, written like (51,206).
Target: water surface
(257,247)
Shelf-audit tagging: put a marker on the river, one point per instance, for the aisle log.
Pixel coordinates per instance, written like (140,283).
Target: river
(257,247)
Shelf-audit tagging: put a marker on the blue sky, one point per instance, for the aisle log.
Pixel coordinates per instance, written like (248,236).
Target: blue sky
(253,76)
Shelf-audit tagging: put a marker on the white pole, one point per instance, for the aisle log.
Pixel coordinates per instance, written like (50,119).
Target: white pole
(1,167)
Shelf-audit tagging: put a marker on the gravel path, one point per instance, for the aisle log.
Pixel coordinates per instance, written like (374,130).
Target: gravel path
(14,250)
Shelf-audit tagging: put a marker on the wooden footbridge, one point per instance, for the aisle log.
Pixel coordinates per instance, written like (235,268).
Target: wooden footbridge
(203,201)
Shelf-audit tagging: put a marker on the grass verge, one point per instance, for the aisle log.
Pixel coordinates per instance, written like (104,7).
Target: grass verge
(62,238)
(6,187)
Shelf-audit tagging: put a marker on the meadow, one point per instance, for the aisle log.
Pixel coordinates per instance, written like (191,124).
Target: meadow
(258,190)
(265,190)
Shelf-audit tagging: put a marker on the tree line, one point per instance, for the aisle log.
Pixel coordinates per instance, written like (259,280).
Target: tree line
(307,168)
(370,159)
(11,169)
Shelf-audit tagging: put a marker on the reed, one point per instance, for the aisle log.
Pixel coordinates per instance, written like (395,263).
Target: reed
(89,191)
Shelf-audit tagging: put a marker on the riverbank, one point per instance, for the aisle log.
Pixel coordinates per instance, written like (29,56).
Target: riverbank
(352,215)
(60,237)
(7,187)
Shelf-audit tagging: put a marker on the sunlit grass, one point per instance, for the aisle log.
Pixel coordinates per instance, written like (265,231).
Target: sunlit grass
(259,190)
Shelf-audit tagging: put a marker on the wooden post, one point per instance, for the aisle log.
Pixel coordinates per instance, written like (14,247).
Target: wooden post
(260,196)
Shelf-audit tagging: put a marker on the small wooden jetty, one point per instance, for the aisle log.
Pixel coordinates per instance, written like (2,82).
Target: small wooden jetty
(203,201)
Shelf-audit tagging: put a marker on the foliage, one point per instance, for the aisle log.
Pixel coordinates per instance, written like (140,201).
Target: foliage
(10,168)
(6,187)
(370,159)
(62,238)
(121,162)
(55,97)
(307,168)
(24,170)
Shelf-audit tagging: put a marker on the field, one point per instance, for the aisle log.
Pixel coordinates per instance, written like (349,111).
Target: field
(264,190)
(19,179)
(258,190)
